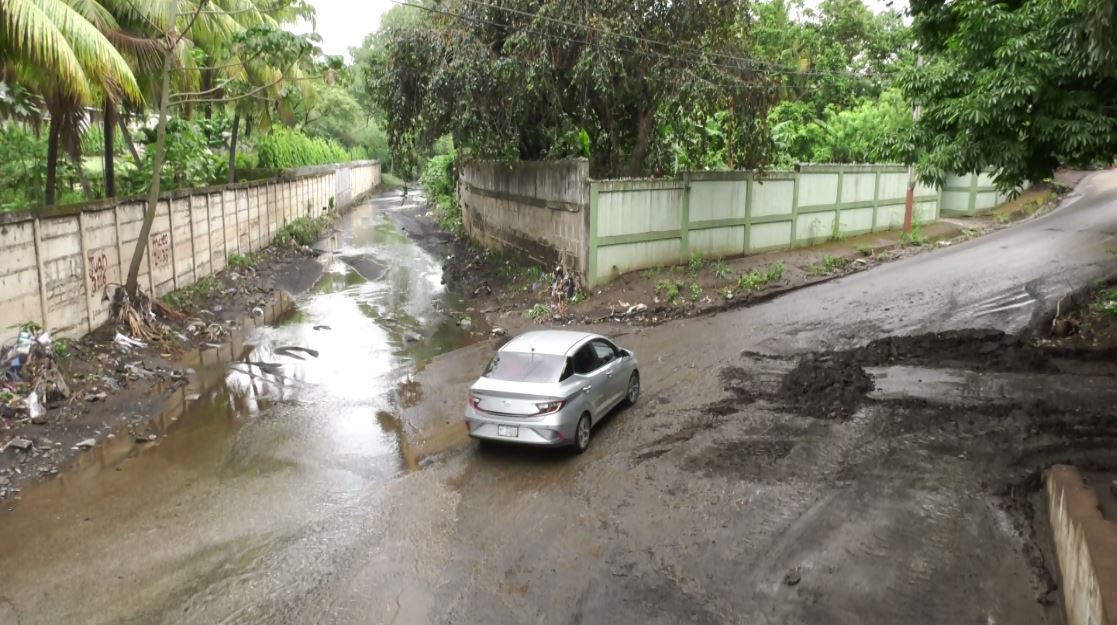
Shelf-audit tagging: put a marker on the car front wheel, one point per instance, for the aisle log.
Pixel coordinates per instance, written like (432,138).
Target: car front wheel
(633,392)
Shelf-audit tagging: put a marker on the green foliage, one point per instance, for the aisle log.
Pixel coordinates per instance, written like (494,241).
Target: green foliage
(721,270)
(916,237)
(537,311)
(438,181)
(303,231)
(285,148)
(668,289)
(760,277)
(189,160)
(23,167)
(188,297)
(874,131)
(1105,302)
(865,249)
(1017,86)
(827,265)
(695,291)
(618,94)
(697,262)
(241,261)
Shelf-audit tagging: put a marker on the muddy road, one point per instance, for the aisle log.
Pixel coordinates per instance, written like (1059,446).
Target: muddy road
(306,493)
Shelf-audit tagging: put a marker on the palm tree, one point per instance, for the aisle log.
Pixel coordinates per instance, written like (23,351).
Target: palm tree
(52,48)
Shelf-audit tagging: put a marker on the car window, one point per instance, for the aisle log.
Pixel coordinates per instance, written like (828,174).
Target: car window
(568,370)
(585,360)
(604,351)
(525,367)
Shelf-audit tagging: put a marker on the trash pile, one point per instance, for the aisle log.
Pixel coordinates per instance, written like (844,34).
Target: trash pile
(30,376)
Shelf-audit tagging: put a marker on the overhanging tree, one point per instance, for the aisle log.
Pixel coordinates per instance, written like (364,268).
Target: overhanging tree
(1021,87)
(530,80)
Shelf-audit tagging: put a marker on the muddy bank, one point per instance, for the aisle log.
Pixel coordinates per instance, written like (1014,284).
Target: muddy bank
(117,386)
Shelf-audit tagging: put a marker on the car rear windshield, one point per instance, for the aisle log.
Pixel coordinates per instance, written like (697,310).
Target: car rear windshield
(525,367)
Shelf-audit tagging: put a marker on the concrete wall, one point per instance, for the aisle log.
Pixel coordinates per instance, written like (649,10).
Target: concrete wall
(1085,547)
(641,223)
(539,209)
(56,262)
(971,194)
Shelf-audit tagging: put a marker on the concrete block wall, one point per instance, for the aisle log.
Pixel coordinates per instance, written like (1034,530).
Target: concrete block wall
(1085,548)
(641,223)
(56,263)
(539,209)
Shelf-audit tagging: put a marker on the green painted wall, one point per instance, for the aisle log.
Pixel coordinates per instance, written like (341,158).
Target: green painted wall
(638,224)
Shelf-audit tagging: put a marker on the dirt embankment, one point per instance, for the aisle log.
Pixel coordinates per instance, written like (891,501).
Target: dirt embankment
(116,387)
(514,294)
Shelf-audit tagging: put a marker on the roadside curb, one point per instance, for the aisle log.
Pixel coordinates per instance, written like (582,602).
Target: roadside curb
(1085,547)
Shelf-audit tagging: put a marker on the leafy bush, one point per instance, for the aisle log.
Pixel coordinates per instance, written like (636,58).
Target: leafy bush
(189,160)
(303,231)
(23,169)
(285,148)
(438,183)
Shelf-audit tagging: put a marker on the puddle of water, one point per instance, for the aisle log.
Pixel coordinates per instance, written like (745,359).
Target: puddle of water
(310,429)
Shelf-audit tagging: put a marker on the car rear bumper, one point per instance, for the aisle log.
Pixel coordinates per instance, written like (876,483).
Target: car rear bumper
(550,431)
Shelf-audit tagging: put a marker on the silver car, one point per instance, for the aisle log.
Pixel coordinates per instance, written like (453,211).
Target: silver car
(550,388)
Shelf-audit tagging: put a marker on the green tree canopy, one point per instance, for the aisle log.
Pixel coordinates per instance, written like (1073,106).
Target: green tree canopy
(531,80)
(1017,86)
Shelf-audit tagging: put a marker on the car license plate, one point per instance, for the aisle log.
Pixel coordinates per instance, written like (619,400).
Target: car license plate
(511,431)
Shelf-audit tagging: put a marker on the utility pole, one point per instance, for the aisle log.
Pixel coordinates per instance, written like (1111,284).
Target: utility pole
(909,202)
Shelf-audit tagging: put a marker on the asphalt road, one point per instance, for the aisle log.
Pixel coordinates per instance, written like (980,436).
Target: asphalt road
(325,503)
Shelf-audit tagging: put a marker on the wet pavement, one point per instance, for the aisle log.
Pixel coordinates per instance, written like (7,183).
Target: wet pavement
(304,494)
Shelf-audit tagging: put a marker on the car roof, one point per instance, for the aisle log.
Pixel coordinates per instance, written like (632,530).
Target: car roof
(556,342)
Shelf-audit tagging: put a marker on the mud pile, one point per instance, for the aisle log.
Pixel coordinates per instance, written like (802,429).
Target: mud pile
(973,349)
(826,386)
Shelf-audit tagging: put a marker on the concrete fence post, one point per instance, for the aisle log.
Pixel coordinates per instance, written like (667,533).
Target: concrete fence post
(972,208)
(838,204)
(684,227)
(85,271)
(171,236)
(876,198)
(748,213)
(119,244)
(44,305)
(193,247)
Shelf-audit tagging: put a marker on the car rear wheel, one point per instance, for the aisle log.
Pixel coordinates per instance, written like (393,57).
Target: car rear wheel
(633,392)
(582,434)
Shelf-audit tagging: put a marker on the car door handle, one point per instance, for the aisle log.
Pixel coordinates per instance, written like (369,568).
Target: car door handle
(586,389)
(609,374)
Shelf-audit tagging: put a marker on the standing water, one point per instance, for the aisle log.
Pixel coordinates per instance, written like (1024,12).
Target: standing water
(273,463)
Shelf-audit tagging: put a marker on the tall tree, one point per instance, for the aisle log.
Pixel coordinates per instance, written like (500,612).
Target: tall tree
(546,79)
(1020,87)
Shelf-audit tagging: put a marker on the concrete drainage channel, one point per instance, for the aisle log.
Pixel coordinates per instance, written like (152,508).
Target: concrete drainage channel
(1085,545)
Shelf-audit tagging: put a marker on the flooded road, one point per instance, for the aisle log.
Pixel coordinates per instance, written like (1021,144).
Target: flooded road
(288,494)
(273,466)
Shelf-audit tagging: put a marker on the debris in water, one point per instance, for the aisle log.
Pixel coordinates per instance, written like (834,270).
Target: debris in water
(86,444)
(20,443)
(322,327)
(793,577)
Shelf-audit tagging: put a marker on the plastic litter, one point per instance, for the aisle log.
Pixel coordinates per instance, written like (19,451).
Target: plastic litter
(128,342)
(35,408)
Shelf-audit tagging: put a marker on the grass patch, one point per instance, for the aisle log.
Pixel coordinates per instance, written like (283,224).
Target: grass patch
(668,289)
(695,291)
(537,311)
(760,277)
(241,261)
(697,262)
(304,231)
(1105,302)
(827,265)
(653,273)
(389,180)
(1003,217)
(186,298)
(916,237)
(721,270)
(867,250)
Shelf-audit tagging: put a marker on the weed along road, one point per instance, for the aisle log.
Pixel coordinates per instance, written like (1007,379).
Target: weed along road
(820,458)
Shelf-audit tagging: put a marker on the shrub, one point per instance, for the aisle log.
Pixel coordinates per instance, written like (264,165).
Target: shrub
(285,148)
(438,183)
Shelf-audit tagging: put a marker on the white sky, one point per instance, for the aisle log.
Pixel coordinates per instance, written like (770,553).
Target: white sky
(344,23)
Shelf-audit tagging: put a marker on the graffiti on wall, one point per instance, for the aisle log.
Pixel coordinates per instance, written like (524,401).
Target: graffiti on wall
(98,271)
(161,250)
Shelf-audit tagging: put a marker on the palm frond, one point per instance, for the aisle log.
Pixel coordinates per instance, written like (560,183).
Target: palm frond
(98,57)
(95,13)
(32,37)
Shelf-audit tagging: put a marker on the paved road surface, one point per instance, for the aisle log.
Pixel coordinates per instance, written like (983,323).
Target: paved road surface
(322,503)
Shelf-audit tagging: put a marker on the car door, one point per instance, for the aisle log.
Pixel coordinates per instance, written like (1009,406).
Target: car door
(594,379)
(609,360)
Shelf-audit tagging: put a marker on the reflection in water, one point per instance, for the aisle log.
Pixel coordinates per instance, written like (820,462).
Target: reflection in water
(379,307)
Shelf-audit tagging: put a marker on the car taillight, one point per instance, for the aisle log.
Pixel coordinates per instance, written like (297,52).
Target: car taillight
(549,407)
